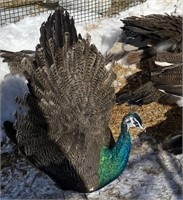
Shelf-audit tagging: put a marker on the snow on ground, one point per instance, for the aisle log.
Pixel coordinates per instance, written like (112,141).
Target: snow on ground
(151,173)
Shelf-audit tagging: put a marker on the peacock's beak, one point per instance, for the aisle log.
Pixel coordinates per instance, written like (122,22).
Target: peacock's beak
(142,126)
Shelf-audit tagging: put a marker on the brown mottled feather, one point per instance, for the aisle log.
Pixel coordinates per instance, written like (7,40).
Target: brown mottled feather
(171,75)
(170,57)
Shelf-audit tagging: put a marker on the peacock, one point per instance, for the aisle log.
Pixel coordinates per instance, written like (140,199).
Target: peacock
(146,36)
(154,43)
(157,40)
(61,124)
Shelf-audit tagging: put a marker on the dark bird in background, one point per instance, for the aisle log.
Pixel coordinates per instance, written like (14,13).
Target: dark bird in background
(154,43)
(147,36)
(61,126)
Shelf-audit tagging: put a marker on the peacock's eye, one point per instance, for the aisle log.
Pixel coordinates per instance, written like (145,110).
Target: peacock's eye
(128,121)
(136,123)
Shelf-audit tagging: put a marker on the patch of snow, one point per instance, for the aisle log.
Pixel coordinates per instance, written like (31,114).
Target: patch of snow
(11,87)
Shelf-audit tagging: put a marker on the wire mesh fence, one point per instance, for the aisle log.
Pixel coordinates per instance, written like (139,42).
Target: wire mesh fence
(81,10)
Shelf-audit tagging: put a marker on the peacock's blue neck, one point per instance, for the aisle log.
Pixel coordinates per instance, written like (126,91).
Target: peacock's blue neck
(114,160)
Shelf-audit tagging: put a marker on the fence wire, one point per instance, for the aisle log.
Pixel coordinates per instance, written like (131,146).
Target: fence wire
(81,10)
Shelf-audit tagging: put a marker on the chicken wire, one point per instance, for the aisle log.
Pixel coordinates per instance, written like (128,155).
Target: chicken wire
(81,10)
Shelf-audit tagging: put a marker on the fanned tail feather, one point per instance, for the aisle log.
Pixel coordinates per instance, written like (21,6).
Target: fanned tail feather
(67,111)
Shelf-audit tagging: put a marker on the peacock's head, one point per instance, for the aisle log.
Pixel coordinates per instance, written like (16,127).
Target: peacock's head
(133,120)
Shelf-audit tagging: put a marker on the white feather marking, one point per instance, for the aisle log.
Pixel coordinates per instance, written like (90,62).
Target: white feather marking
(163,64)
